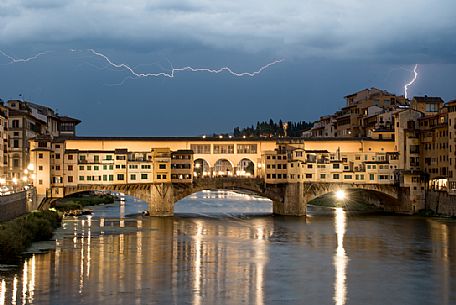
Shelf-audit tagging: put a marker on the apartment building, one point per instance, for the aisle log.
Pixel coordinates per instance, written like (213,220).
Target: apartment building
(27,120)
(451,106)
(365,111)
(3,141)
(182,166)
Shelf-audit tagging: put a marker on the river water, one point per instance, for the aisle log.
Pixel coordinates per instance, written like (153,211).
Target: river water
(225,248)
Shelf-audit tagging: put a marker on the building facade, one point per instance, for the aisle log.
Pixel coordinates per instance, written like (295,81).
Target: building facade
(3,142)
(27,120)
(364,112)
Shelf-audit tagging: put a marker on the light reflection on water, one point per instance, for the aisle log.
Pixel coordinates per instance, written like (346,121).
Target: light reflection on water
(340,259)
(227,258)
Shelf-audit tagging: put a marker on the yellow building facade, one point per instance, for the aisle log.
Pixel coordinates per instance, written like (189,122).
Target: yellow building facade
(61,163)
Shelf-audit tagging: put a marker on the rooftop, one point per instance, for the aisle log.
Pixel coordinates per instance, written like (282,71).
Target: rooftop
(428,99)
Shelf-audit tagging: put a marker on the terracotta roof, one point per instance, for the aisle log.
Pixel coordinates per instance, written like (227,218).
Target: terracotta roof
(428,99)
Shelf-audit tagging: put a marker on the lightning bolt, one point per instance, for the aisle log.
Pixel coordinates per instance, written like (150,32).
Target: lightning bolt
(415,75)
(187,68)
(14,60)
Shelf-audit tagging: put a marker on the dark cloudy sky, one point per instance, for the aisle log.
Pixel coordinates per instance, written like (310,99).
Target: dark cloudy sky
(330,48)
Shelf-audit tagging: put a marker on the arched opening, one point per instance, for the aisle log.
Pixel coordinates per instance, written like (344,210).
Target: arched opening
(359,200)
(245,168)
(201,168)
(223,168)
(100,204)
(223,203)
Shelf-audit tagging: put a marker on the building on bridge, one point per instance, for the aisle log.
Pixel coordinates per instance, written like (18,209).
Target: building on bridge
(354,161)
(166,169)
(68,162)
(3,141)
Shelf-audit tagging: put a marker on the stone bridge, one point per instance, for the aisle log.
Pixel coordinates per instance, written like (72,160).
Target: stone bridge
(288,198)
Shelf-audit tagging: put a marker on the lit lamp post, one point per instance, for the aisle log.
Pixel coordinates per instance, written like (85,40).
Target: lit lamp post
(29,174)
(24,180)
(341,195)
(14,183)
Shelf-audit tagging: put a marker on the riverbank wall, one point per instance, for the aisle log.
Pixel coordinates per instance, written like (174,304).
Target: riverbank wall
(17,204)
(441,203)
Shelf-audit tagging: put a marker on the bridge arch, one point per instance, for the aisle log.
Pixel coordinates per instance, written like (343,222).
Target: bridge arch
(223,168)
(201,168)
(224,201)
(245,168)
(385,197)
(254,186)
(140,191)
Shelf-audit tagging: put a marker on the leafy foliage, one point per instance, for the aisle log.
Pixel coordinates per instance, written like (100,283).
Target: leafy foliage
(16,235)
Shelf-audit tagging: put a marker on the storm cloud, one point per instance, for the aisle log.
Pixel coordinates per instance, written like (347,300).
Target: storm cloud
(353,29)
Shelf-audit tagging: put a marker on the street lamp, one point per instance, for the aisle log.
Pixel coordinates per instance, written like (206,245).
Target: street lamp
(341,195)
(30,173)
(15,183)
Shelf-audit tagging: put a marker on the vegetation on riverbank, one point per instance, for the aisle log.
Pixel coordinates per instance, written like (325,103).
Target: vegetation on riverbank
(78,202)
(18,234)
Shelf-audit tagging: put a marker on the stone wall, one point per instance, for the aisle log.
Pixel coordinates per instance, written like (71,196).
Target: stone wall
(13,205)
(441,203)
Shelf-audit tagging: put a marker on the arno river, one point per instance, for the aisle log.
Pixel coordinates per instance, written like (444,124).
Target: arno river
(215,251)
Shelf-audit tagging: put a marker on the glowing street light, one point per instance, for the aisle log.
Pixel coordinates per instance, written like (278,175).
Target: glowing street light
(341,195)
(31,167)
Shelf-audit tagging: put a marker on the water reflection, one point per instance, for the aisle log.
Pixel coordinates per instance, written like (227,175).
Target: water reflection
(440,234)
(240,260)
(221,260)
(2,292)
(340,258)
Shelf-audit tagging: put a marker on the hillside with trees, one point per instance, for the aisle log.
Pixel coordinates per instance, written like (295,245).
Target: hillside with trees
(273,129)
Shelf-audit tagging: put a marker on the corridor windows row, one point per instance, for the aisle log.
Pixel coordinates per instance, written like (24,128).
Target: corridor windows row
(224,148)
(181,166)
(143,176)
(276,176)
(279,157)
(279,166)
(95,167)
(95,178)
(181,177)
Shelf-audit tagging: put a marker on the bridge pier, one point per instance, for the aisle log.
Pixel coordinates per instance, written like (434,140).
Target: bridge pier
(294,201)
(162,200)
